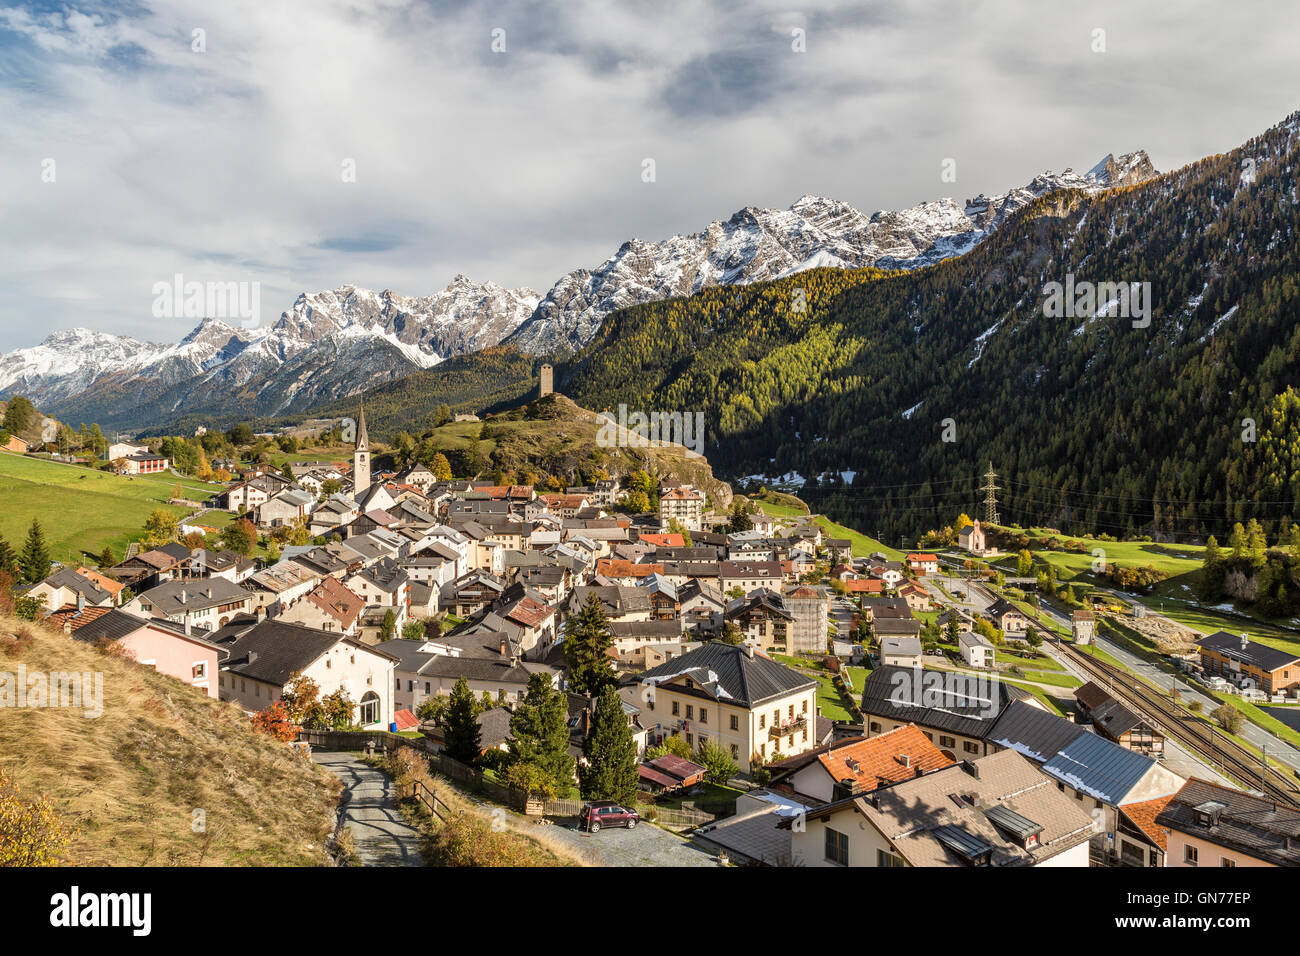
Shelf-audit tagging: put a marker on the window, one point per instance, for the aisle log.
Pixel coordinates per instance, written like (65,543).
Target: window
(875,727)
(735,722)
(1224,861)
(970,747)
(945,741)
(676,708)
(837,847)
(704,715)
(805,707)
(735,752)
(1189,855)
(397,683)
(885,858)
(762,721)
(690,711)
(200,670)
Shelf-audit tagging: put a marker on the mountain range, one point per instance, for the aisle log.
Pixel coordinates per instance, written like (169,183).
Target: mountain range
(333,344)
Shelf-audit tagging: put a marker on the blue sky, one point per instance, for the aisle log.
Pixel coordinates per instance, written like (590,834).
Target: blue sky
(517,166)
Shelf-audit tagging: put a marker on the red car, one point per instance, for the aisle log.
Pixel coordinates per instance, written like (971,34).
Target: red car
(605,813)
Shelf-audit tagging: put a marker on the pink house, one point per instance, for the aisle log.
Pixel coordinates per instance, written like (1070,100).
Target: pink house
(162,645)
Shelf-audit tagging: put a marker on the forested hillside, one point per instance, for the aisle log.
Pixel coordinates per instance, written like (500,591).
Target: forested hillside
(1179,428)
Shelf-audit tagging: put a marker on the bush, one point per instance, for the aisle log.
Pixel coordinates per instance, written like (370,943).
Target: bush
(1228,717)
(31,833)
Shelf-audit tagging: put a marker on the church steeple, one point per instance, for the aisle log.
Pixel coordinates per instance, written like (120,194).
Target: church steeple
(361,456)
(363,440)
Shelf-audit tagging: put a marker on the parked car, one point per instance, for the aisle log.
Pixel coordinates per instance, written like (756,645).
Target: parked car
(605,813)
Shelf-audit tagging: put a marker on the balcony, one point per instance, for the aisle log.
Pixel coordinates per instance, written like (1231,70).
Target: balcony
(793,725)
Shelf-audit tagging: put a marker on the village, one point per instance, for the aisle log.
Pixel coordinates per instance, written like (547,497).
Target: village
(782,699)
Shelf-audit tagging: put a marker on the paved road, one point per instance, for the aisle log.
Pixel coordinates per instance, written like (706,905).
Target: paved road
(381,836)
(645,845)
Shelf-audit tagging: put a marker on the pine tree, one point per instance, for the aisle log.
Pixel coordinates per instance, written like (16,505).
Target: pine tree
(461,730)
(587,638)
(107,558)
(34,561)
(8,558)
(610,773)
(539,732)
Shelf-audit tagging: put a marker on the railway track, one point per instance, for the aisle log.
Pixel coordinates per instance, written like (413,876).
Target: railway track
(1197,735)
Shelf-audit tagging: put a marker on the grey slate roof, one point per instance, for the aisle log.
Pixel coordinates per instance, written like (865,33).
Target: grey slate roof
(727,672)
(193,594)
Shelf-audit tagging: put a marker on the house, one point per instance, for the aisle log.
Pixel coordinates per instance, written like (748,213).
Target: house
(922,564)
(749,575)
(475,591)
(857,765)
(285,509)
(143,463)
(730,696)
(900,652)
(997,810)
(1116,722)
(1139,840)
(957,712)
(917,597)
(259,660)
(68,586)
(1208,825)
(1083,626)
(683,505)
(762,618)
(647,643)
(701,608)
(490,663)
(975,649)
(207,603)
(15,444)
(1100,775)
(971,538)
(164,647)
(330,606)
(757,834)
(898,627)
(1007,617)
(1245,663)
(668,774)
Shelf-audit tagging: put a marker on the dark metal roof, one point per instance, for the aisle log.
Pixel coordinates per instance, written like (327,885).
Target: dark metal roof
(1099,768)
(1033,732)
(968,705)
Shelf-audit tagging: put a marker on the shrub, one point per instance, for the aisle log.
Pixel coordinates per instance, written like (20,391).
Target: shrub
(31,833)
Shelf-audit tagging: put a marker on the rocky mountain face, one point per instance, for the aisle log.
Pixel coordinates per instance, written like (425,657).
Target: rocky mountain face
(336,343)
(328,344)
(756,245)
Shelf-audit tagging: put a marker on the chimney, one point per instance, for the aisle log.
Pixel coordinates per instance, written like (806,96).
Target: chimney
(749,650)
(81,603)
(182,597)
(905,760)
(971,767)
(503,647)
(252,656)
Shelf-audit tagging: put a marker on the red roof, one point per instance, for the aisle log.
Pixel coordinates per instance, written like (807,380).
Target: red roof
(405,720)
(665,540)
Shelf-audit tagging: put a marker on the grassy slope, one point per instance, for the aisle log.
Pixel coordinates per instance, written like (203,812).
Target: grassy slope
(81,509)
(130,779)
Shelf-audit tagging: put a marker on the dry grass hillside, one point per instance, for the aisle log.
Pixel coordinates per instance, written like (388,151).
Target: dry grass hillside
(130,780)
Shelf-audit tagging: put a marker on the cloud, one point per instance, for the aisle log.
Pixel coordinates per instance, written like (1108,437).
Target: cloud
(234,164)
